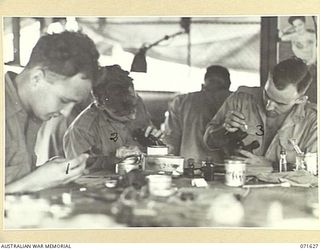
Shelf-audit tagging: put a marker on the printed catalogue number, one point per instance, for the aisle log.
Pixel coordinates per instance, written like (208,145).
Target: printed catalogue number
(308,245)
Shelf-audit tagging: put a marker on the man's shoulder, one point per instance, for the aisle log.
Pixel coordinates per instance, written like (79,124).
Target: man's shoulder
(87,118)
(247,94)
(253,91)
(181,100)
(12,106)
(187,96)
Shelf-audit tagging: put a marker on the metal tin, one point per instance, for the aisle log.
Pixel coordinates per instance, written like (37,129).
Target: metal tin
(124,168)
(235,173)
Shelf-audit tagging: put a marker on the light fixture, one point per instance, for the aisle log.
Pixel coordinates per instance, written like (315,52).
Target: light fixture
(139,63)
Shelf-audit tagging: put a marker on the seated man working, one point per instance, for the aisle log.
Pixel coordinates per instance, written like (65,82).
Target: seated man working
(58,75)
(272,115)
(108,124)
(190,113)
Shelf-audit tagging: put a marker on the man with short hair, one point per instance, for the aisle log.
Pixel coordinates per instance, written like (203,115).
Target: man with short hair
(190,113)
(58,75)
(272,115)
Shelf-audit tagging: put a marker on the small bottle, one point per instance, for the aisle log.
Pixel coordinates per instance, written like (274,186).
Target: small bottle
(300,163)
(208,169)
(283,161)
(189,168)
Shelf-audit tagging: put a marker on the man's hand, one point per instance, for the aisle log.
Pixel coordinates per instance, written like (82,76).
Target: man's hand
(61,171)
(151,130)
(52,173)
(235,120)
(255,164)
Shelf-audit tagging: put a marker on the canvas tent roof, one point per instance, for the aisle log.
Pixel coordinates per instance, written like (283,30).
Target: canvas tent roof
(231,41)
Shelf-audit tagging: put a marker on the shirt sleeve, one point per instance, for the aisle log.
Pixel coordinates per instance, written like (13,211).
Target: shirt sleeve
(17,159)
(173,127)
(216,122)
(311,138)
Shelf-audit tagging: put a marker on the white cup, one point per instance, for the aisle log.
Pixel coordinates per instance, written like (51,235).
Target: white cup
(158,183)
(235,173)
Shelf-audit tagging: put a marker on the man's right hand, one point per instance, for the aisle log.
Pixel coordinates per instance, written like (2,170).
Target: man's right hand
(235,120)
(63,171)
(52,173)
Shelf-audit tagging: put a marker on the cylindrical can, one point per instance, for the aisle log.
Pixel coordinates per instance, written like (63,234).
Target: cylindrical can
(300,161)
(124,168)
(310,160)
(235,173)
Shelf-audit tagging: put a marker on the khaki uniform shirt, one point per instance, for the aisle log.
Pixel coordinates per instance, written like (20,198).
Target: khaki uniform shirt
(94,127)
(20,134)
(188,117)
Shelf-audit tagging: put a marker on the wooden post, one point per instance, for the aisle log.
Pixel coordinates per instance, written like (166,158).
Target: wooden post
(268,46)
(16,39)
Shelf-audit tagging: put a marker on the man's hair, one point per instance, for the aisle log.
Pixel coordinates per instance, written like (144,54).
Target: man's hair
(293,18)
(67,54)
(220,73)
(292,71)
(110,75)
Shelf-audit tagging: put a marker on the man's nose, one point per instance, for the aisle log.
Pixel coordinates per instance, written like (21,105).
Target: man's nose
(270,105)
(67,109)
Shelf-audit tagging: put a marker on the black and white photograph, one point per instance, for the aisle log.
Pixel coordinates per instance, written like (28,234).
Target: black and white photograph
(116,122)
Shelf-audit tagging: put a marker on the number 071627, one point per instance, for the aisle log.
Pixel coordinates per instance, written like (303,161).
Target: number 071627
(309,245)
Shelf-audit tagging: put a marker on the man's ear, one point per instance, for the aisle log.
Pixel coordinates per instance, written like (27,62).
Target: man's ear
(37,75)
(302,99)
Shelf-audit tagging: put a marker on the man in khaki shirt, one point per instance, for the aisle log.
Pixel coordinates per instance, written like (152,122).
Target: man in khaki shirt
(272,115)
(59,74)
(108,124)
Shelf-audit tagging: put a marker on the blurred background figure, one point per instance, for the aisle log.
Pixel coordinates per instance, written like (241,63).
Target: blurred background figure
(190,113)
